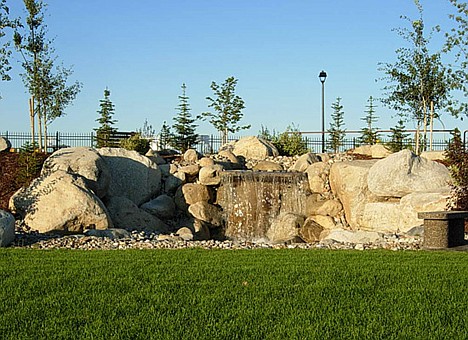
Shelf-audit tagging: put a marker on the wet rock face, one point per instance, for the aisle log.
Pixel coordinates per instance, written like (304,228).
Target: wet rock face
(252,200)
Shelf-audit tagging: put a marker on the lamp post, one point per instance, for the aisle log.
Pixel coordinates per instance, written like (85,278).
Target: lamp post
(322,77)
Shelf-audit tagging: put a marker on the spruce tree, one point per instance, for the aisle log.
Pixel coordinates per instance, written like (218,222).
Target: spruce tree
(369,133)
(106,122)
(165,137)
(337,131)
(398,136)
(184,126)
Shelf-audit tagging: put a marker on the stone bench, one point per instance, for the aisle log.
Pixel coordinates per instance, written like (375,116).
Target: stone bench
(443,229)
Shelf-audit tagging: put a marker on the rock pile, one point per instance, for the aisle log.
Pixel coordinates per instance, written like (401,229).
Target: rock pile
(176,204)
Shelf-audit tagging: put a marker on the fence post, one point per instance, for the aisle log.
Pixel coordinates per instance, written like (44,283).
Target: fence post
(57,139)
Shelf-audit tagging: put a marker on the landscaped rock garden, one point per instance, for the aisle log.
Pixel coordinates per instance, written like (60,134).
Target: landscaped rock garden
(113,198)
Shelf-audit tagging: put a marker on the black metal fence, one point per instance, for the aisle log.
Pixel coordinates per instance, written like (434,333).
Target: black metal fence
(207,144)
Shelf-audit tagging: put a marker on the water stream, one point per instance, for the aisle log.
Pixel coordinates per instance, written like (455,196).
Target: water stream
(252,199)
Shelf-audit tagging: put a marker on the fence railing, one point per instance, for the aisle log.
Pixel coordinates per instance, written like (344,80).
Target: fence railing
(207,144)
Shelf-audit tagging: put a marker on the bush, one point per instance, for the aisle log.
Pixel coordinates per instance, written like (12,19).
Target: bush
(288,143)
(457,159)
(136,143)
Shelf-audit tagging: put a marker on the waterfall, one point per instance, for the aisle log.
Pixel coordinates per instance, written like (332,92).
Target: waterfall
(252,199)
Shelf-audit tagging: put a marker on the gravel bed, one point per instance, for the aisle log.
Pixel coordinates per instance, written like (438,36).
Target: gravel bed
(147,240)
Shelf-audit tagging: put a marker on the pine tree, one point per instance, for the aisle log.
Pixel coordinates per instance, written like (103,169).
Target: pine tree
(106,112)
(398,136)
(369,134)
(184,126)
(165,137)
(336,131)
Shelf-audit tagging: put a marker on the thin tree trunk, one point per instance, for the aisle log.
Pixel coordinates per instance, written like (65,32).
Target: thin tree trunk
(425,125)
(31,119)
(432,125)
(44,117)
(39,119)
(416,137)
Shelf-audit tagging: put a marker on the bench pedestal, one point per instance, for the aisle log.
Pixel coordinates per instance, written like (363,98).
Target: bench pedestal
(443,229)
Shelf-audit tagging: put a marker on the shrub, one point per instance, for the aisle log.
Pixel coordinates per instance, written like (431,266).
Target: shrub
(136,143)
(457,159)
(288,143)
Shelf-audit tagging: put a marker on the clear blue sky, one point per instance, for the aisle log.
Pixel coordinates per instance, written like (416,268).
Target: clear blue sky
(144,50)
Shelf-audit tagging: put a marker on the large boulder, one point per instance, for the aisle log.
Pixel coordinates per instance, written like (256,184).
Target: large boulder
(210,175)
(285,227)
(194,192)
(132,175)
(317,174)
(162,207)
(60,202)
(126,215)
(355,237)
(403,173)
(268,166)
(348,181)
(7,228)
(5,144)
(374,151)
(254,148)
(206,212)
(82,161)
(304,161)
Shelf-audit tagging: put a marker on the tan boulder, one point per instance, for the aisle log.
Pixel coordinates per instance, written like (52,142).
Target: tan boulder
(60,202)
(132,175)
(191,156)
(206,212)
(327,222)
(304,161)
(433,155)
(82,161)
(268,166)
(310,231)
(403,173)
(285,227)
(348,181)
(254,148)
(194,192)
(126,215)
(206,161)
(317,175)
(210,175)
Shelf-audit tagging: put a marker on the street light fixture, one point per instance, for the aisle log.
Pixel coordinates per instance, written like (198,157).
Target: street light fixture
(323,77)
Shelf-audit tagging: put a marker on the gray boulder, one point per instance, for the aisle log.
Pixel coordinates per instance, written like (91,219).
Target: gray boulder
(85,162)
(126,215)
(113,234)
(355,237)
(403,173)
(60,202)
(7,228)
(162,207)
(206,212)
(5,144)
(132,175)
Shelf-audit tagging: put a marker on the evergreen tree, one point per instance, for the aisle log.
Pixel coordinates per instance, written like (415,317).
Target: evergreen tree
(106,129)
(165,137)
(184,126)
(369,133)
(228,107)
(457,158)
(336,131)
(398,136)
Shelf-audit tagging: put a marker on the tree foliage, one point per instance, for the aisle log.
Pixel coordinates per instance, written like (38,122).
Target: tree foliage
(337,132)
(369,133)
(106,129)
(5,52)
(184,127)
(46,82)
(457,158)
(228,108)
(457,42)
(419,84)
(398,136)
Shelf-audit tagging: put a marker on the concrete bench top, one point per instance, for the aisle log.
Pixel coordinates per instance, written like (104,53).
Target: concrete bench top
(443,215)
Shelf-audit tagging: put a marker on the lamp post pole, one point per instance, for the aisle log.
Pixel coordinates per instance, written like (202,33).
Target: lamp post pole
(322,77)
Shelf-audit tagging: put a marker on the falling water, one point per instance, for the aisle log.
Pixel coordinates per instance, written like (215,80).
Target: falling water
(252,199)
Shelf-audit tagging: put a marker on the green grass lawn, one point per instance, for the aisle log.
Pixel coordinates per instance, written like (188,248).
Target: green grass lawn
(251,294)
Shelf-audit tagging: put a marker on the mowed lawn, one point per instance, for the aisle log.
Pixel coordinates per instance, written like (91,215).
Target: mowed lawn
(233,294)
